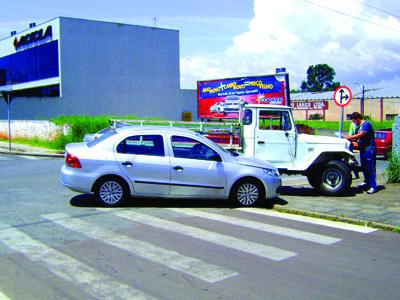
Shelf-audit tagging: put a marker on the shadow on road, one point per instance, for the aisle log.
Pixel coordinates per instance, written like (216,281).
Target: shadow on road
(302,191)
(88,200)
(311,192)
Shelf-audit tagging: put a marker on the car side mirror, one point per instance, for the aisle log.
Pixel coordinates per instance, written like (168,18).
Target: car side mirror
(216,158)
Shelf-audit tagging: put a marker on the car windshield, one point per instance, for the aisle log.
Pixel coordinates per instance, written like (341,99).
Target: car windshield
(101,138)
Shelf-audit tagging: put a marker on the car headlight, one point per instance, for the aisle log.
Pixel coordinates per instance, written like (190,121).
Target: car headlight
(272,172)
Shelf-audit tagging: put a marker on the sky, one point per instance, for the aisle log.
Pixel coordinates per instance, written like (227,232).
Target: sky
(360,39)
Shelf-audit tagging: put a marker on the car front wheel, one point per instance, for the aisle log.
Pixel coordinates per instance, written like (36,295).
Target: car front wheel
(335,178)
(111,191)
(247,192)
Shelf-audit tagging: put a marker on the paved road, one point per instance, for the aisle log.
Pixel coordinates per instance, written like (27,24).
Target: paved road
(56,244)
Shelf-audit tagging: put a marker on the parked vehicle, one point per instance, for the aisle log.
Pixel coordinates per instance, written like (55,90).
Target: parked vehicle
(383,141)
(269,133)
(165,162)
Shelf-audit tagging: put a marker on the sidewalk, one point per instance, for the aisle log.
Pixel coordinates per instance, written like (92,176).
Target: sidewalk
(380,210)
(20,149)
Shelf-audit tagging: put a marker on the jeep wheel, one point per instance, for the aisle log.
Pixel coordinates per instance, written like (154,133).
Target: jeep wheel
(314,179)
(335,178)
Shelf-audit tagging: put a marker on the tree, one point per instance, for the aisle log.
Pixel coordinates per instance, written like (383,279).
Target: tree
(319,78)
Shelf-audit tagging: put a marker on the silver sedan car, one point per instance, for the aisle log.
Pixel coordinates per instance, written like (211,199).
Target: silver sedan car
(147,161)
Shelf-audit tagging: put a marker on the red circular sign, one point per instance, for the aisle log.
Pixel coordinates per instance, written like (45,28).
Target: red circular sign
(342,96)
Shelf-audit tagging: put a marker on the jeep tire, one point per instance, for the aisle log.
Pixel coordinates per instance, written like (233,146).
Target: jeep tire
(335,178)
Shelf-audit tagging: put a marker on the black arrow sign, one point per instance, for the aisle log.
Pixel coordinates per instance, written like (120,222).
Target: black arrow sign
(343,97)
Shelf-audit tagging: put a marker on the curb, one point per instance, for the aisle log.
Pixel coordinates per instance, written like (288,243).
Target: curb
(15,152)
(330,217)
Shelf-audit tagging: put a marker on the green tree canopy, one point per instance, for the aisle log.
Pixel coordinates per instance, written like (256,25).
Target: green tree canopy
(319,78)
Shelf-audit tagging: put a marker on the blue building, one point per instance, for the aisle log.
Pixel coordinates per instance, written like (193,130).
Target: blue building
(69,66)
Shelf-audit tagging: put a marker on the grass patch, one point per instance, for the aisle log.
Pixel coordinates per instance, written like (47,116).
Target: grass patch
(392,171)
(334,125)
(57,144)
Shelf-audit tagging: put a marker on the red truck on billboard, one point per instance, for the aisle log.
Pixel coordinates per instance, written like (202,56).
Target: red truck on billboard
(223,98)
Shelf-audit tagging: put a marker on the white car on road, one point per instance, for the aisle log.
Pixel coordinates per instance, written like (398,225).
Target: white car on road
(165,162)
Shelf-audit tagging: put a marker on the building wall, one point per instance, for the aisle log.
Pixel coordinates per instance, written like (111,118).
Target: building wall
(113,69)
(376,109)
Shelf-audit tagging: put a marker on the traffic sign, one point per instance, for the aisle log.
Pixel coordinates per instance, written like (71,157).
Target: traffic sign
(342,96)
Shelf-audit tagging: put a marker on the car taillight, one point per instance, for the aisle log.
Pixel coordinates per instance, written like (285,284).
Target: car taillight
(72,161)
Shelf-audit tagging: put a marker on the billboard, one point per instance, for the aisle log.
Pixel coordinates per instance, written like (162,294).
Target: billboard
(30,60)
(222,98)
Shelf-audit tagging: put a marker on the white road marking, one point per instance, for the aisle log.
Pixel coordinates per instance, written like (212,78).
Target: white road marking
(305,219)
(264,251)
(293,233)
(67,268)
(174,260)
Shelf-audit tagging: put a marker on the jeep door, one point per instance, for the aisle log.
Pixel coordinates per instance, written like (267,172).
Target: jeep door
(275,136)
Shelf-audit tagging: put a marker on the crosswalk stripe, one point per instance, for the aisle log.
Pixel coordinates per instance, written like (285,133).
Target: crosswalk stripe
(3,297)
(67,268)
(174,260)
(305,219)
(293,233)
(269,252)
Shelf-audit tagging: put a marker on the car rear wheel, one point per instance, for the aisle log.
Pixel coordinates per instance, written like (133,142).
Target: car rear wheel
(111,191)
(247,192)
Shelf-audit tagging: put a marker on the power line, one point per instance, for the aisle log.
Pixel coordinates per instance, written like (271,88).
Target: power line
(377,8)
(351,16)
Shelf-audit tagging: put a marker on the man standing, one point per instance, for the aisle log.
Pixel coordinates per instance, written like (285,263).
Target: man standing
(366,144)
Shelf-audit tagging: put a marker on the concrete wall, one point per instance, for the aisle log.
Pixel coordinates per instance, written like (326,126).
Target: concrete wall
(111,69)
(189,102)
(377,109)
(31,129)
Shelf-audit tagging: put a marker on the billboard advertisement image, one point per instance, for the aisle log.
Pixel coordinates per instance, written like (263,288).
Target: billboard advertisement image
(223,98)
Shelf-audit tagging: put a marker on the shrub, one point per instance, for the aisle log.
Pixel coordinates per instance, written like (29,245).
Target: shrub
(316,117)
(392,171)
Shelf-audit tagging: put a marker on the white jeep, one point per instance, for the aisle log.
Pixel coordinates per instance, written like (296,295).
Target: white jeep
(269,133)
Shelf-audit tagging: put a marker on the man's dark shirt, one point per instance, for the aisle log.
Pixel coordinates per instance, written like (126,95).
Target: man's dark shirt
(368,140)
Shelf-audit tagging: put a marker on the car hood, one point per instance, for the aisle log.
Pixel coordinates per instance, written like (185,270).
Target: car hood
(254,162)
(321,139)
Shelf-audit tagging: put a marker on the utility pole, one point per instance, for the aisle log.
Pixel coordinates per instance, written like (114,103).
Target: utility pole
(362,101)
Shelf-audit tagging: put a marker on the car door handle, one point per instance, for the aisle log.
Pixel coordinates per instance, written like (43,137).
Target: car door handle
(261,142)
(178,168)
(127,164)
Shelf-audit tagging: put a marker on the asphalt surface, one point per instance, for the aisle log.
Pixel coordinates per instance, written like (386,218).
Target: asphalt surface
(380,210)
(58,244)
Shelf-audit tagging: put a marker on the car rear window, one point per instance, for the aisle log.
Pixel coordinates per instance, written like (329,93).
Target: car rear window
(152,145)
(101,138)
(380,135)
